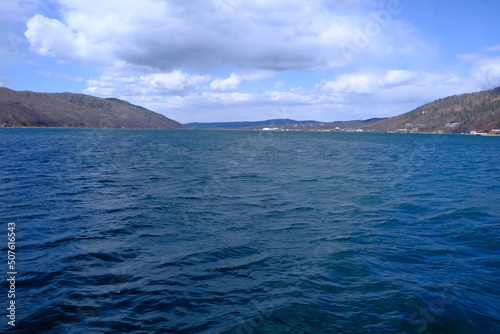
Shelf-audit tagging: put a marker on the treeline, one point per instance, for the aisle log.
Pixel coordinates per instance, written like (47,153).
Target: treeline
(31,109)
(454,114)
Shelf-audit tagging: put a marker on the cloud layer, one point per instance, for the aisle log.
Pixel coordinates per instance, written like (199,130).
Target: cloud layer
(235,60)
(165,35)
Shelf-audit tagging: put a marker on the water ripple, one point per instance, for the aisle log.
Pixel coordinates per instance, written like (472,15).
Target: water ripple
(136,231)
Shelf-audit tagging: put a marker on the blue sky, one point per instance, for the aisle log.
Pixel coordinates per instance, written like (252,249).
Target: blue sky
(233,60)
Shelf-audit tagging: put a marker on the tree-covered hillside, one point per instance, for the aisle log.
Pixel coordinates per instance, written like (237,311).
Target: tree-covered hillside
(31,109)
(453,114)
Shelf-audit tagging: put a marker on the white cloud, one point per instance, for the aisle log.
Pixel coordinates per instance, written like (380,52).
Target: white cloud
(50,37)
(168,83)
(184,97)
(422,88)
(256,74)
(487,72)
(226,85)
(13,18)
(121,84)
(157,53)
(376,82)
(399,77)
(392,92)
(485,69)
(350,83)
(290,97)
(166,34)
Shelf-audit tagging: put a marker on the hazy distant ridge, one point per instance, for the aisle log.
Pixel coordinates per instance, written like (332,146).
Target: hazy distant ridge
(33,109)
(454,114)
(229,125)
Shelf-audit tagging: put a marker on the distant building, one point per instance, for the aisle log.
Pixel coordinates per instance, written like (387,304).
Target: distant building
(6,125)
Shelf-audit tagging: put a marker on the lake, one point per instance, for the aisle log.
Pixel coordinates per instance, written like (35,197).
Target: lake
(184,231)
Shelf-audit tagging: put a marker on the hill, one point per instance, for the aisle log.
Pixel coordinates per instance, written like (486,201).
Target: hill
(454,114)
(232,125)
(31,109)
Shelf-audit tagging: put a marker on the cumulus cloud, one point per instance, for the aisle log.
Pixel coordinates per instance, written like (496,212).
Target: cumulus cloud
(167,34)
(172,83)
(168,83)
(226,85)
(13,18)
(192,97)
(394,87)
(376,81)
(157,52)
(50,37)
(350,83)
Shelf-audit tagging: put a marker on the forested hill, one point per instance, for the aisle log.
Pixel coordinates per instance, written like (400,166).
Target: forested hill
(453,114)
(32,109)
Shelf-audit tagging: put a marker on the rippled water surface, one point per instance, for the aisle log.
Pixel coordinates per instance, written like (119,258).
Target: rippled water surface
(152,231)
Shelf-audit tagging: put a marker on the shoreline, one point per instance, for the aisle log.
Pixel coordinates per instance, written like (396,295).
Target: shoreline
(480,134)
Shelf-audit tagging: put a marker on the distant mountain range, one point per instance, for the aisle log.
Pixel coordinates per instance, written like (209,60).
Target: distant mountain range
(30,109)
(232,125)
(314,125)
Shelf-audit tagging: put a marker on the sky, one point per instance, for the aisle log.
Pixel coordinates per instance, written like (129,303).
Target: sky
(248,60)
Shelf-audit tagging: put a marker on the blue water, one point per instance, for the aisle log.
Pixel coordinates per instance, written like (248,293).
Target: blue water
(153,231)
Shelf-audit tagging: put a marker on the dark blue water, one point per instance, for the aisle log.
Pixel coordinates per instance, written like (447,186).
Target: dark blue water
(142,231)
